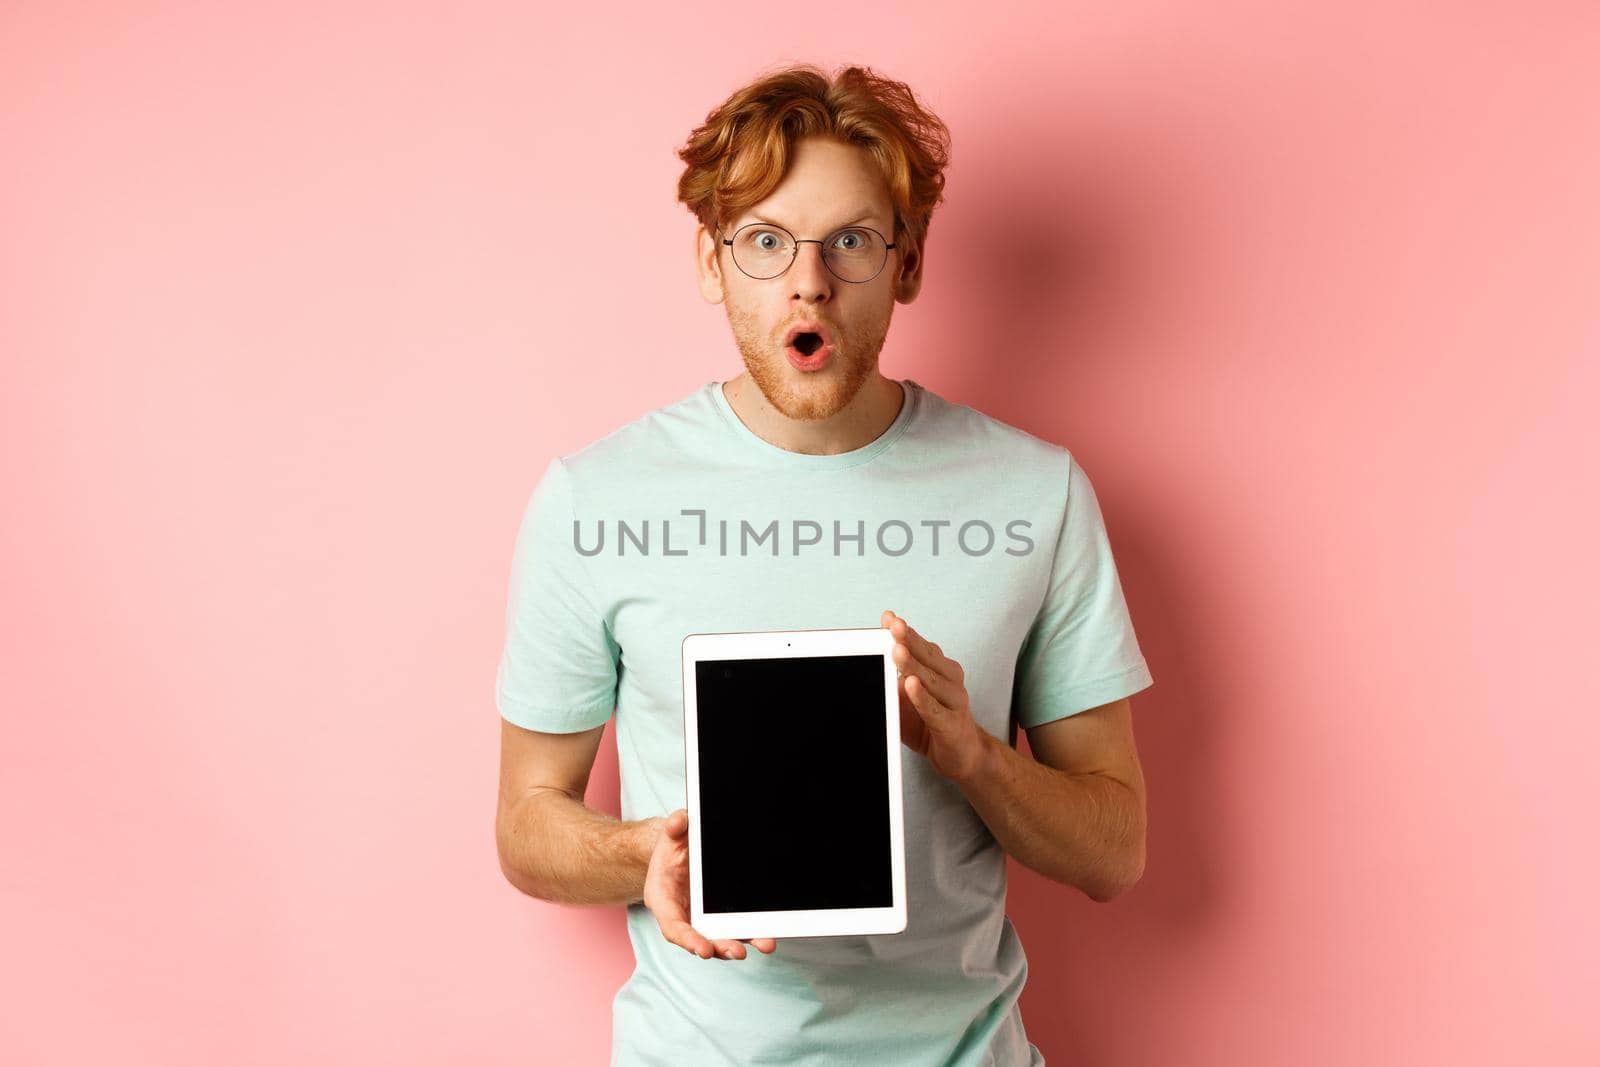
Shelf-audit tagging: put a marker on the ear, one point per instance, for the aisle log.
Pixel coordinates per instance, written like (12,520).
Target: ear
(908,280)
(708,264)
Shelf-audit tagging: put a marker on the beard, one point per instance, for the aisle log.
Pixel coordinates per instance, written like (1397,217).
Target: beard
(818,394)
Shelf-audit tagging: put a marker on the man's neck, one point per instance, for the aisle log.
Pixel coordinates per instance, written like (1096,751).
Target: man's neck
(870,412)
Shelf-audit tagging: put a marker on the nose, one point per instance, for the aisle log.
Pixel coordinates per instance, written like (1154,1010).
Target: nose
(809,275)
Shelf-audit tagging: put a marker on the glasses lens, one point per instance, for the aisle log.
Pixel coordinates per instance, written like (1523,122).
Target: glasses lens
(763,251)
(854,254)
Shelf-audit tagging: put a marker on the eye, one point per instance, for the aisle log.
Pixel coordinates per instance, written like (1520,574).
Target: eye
(766,240)
(850,240)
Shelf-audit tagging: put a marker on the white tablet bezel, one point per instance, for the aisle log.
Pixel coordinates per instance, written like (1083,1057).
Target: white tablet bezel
(795,644)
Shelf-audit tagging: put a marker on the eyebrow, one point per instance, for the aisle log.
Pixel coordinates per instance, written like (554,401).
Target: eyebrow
(866,213)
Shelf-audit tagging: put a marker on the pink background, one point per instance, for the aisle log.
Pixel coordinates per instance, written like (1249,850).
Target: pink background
(296,302)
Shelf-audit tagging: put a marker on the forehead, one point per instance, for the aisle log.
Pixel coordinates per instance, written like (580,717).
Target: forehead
(828,184)
(865,215)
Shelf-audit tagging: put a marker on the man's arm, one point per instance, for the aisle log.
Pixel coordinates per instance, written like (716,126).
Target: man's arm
(1076,811)
(552,846)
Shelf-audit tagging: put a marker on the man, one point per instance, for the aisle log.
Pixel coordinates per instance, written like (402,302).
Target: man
(812,492)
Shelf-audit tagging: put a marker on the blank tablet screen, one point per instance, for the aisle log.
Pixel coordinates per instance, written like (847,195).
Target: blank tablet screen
(794,783)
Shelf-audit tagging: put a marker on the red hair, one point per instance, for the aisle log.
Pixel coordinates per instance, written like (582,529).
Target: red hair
(740,153)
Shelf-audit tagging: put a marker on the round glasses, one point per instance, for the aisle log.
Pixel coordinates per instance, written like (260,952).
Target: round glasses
(765,250)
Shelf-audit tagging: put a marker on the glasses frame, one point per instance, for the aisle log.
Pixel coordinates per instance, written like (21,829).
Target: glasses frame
(887,245)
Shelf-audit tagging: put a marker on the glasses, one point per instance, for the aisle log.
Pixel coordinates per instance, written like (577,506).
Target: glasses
(764,250)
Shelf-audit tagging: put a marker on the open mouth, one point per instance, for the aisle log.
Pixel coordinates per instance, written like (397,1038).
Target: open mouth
(807,343)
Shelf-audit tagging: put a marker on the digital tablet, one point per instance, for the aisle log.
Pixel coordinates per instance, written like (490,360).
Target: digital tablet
(792,748)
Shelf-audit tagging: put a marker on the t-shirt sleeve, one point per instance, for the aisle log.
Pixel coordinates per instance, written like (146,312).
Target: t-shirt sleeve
(558,667)
(1081,651)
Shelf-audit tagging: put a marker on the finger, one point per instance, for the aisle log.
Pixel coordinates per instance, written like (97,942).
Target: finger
(923,650)
(677,823)
(913,731)
(765,944)
(931,653)
(730,950)
(688,938)
(931,707)
(947,692)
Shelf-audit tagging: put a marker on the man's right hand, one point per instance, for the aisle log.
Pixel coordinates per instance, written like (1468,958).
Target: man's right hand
(666,894)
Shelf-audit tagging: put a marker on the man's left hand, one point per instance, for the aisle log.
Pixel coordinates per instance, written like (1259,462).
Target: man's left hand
(935,718)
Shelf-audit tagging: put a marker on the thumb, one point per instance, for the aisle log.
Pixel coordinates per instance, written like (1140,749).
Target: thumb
(677,823)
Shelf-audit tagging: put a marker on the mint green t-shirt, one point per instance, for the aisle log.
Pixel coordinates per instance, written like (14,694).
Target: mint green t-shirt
(986,539)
